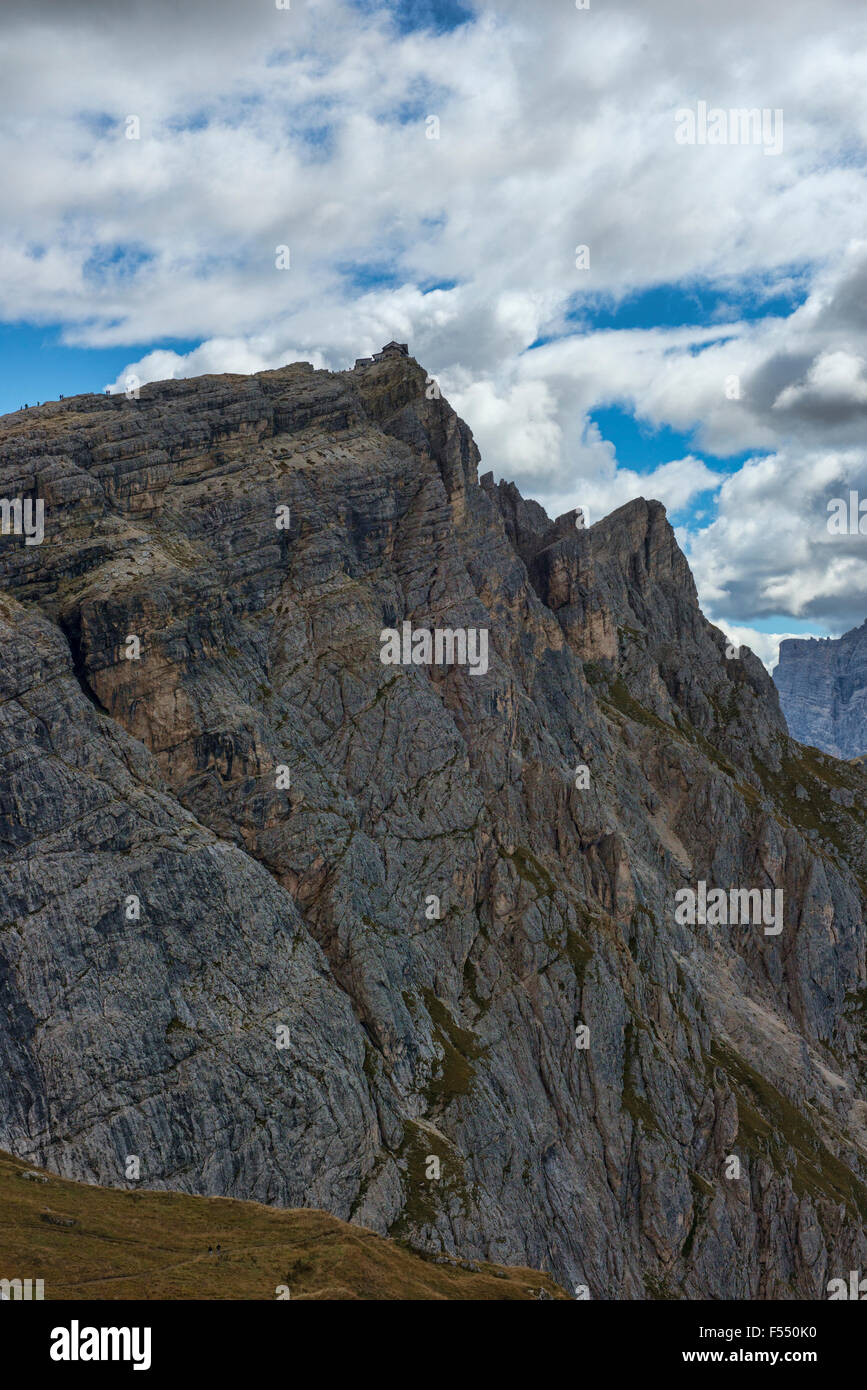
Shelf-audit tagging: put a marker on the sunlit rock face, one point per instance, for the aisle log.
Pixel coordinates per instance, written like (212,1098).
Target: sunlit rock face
(823,691)
(282,920)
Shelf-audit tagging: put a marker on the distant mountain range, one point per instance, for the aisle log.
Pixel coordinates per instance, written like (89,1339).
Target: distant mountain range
(823,691)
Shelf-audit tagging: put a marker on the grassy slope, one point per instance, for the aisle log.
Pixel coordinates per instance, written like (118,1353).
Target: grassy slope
(119,1245)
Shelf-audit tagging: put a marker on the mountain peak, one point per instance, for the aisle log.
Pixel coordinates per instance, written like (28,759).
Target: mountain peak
(347,803)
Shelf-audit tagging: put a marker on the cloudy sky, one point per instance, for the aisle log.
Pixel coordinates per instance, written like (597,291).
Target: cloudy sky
(509,186)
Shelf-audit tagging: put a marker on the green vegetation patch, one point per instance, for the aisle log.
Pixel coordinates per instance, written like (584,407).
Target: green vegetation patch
(631,1100)
(771,1126)
(702,1193)
(461,1048)
(658,1290)
(530,870)
(613,692)
(579,952)
(425,1197)
(818,774)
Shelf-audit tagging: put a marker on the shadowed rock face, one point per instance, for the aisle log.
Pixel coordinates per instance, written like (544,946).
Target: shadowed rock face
(823,689)
(309,907)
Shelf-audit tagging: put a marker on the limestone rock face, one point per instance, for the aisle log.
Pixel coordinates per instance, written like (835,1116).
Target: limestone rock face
(281,921)
(823,690)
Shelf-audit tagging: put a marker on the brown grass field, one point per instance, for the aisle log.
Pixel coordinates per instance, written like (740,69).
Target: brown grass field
(90,1242)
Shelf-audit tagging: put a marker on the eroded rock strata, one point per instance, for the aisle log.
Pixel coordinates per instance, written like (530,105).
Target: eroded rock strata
(167,905)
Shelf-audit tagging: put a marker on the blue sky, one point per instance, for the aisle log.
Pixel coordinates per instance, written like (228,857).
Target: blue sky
(35,365)
(410,16)
(435,168)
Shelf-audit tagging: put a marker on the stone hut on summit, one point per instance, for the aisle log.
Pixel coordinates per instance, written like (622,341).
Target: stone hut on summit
(391,349)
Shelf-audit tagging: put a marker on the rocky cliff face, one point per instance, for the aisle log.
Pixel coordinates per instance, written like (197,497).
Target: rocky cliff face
(281,921)
(823,690)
